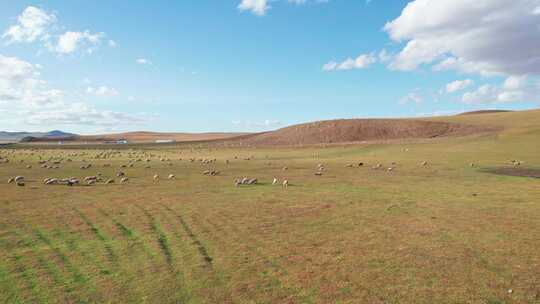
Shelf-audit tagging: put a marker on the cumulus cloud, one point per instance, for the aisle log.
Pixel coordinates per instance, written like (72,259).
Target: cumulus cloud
(30,100)
(361,62)
(258,7)
(33,24)
(469,36)
(458,85)
(513,89)
(70,42)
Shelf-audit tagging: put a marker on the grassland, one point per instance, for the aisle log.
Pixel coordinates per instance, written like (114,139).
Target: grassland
(443,233)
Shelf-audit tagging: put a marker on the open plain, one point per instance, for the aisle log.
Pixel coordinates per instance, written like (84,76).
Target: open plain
(425,220)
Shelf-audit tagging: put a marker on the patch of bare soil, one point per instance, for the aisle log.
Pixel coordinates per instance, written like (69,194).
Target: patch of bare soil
(358,130)
(515,171)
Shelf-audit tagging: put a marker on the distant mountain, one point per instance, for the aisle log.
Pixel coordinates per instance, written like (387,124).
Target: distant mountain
(58,134)
(17,136)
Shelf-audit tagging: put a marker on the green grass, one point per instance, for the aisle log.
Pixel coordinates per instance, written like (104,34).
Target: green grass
(445,233)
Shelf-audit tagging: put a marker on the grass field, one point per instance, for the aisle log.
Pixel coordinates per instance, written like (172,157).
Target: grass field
(442,233)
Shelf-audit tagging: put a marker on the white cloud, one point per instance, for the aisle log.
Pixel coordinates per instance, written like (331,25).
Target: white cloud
(485,36)
(513,89)
(27,99)
(32,24)
(69,42)
(35,24)
(413,97)
(458,85)
(112,43)
(143,61)
(103,91)
(79,114)
(361,62)
(258,7)
(515,82)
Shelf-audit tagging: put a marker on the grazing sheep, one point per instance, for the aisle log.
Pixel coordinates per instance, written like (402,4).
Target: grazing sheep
(206,172)
(171,176)
(11,180)
(19,178)
(124,180)
(88,178)
(51,181)
(29,167)
(110,181)
(91,182)
(244,180)
(424,163)
(252,181)
(285,184)
(471,165)
(237,182)
(275,181)
(285,169)
(156,178)
(390,169)
(120,174)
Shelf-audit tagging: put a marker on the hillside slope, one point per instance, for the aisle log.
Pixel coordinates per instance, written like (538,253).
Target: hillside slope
(357,130)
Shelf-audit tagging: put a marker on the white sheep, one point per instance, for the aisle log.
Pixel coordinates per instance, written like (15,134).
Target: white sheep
(171,176)
(285,184)
(124,180)
(156,178)
(19,178)
(275,181)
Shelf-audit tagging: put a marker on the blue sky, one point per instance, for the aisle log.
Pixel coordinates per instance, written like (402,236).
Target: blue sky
(250,65)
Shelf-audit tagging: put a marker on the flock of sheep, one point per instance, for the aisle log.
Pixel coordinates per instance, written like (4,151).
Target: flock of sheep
(146,157)
(133,156)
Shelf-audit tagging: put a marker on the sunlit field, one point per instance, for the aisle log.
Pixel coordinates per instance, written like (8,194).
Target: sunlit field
(437,227)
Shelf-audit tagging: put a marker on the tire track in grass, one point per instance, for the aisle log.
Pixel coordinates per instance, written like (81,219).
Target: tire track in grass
(111,255)
(210,277)
(47,264)
(203,252)
(72,245)
(78,278)
(132,236)
(162,239)
(182,294)
(29,276)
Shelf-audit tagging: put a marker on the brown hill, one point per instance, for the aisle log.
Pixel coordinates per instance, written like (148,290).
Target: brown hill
(484,112)
(358,130)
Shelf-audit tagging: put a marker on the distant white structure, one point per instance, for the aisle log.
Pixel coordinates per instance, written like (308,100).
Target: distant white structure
(164,141)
